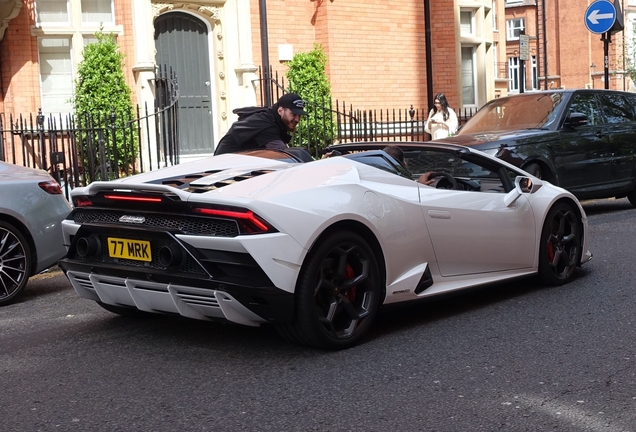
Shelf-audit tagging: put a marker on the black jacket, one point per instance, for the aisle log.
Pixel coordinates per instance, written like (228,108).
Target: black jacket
(254,129)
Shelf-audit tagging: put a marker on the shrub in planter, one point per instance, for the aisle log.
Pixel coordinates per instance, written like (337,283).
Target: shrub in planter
(307,77)
(103,110)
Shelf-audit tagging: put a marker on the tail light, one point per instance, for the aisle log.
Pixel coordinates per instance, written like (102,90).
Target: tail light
(82,201)
(248,221)
(50,187)
(133,198)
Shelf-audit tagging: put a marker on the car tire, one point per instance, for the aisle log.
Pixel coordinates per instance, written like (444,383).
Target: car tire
(561,242)
(16,261)
(534,169)
(129,312)
(337,294)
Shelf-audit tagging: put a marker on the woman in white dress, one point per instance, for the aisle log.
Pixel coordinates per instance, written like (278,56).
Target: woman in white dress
(442,120)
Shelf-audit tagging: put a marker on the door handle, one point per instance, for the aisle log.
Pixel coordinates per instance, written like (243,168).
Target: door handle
(439,214)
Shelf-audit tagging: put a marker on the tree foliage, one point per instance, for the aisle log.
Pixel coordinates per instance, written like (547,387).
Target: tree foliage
(102,104)
(307,76)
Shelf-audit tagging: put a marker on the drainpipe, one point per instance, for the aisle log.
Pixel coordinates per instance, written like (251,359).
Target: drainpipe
(429,50)
(265,52)
(545,46)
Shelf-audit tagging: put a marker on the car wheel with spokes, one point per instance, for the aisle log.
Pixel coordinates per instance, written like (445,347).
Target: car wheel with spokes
(337,293)
(561,240)
(15,262)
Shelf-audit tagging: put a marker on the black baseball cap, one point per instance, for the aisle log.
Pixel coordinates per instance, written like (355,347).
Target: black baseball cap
(292,102)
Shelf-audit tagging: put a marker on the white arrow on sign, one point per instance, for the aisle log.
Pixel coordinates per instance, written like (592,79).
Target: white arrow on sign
(595,16)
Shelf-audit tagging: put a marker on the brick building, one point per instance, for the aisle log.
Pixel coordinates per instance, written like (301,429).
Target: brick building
(563,52)
(378,57)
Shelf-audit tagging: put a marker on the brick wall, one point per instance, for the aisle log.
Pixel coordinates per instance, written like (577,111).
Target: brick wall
(571,47)
(376,54)
(20,65)
(20,70)
(125,41)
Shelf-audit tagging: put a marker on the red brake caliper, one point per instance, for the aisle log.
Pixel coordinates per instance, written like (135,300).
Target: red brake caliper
(349,274)
(550,251)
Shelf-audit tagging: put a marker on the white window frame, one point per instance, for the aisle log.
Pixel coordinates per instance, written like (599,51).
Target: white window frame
(473,74)
(92,23)
(75,30)
(473,22)
(534,72)
(514,26)
(513,73)
(513,1)
(495,47)
(54,23)
(45,97)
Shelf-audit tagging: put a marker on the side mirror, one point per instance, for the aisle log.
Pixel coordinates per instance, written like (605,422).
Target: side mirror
(523,185)
(576,119)
(527,185)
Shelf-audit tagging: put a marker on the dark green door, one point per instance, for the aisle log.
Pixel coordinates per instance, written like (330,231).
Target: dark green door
(182,44)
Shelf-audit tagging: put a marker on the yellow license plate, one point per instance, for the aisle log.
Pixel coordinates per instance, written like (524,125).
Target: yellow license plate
(138,250)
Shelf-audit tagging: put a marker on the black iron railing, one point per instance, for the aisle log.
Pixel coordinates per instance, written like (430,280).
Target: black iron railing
(339,122)
(78,150)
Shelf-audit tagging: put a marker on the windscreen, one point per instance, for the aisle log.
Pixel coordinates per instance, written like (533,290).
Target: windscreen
(528,111)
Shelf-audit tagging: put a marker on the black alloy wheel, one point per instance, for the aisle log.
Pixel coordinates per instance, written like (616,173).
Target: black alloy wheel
(337,294)
(561,242)
(15,262)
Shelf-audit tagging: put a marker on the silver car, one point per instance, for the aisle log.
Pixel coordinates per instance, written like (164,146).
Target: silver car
(32,208)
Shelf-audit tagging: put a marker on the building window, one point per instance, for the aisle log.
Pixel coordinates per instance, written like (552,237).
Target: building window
(494,57)
(494,15)
(513,1)
(97,11)
(52,12)
(64,28)
(535,76)
(56,74)
(467,22)
(468,76)
(513,73)
(514,27)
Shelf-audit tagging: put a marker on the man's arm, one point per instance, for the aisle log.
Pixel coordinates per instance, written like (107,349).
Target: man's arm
(425,178)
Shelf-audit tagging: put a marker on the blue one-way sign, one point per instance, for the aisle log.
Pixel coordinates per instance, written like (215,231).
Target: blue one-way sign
(600,16)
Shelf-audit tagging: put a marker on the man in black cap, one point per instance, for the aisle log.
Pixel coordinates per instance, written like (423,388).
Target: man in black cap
(263,127)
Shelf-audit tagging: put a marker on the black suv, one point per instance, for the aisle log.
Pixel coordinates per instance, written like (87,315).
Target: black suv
(581,140)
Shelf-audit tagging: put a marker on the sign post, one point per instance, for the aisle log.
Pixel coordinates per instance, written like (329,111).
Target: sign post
(524,55)
(600,17)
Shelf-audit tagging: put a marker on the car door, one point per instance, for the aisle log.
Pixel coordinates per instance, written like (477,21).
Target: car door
(619,116)
(471,228)
(475,232)
(580,155)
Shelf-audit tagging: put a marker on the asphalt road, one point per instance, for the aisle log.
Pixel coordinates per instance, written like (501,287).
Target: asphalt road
(513,357)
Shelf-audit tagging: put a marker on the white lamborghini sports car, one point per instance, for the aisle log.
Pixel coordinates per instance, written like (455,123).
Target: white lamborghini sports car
(316,248)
